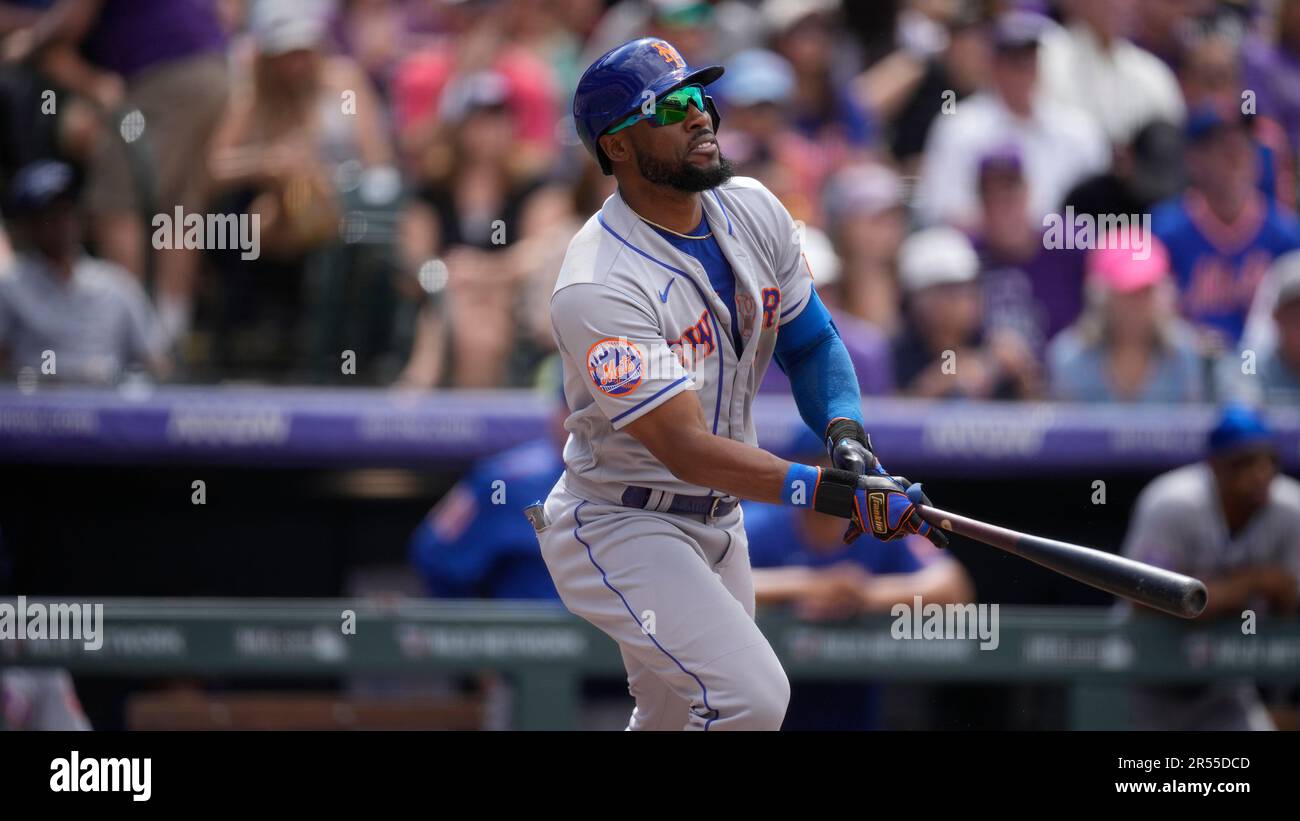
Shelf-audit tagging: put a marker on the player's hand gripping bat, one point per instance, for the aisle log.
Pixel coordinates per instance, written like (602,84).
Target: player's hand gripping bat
(1163,590)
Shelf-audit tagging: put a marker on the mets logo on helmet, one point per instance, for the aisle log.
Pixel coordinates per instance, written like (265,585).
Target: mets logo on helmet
(616,366)
(669,54)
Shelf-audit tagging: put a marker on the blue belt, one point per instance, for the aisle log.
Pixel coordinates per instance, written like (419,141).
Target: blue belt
(711,506)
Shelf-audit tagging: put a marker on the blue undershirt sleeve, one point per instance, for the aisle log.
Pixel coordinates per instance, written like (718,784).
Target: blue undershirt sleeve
(810,352)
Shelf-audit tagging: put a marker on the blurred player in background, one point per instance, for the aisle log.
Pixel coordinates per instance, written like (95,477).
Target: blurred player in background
(39,699)
(474,544)
(1234,522)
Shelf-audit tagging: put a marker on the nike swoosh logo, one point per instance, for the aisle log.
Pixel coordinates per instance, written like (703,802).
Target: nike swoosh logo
(663,295)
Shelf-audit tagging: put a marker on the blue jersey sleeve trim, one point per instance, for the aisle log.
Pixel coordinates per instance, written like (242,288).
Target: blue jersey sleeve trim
(650,399)
(798,306)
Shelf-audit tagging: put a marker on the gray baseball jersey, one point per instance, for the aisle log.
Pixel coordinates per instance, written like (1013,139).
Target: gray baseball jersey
(1178,524)
(638,322)
(39,699)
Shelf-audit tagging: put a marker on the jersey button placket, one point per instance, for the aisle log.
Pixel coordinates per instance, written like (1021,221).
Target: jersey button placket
(742,376)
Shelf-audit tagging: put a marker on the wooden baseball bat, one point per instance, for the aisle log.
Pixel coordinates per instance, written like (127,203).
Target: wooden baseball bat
(1163,590)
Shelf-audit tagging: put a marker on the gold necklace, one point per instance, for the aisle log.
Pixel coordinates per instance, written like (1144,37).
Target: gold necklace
(675,233)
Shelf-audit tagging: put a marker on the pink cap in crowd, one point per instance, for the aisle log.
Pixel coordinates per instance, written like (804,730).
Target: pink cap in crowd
(1123,269)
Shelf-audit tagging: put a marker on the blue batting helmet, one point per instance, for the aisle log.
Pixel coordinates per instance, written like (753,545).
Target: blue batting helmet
(613,87)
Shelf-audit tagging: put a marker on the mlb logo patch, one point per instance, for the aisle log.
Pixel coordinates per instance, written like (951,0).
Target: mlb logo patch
(616,366)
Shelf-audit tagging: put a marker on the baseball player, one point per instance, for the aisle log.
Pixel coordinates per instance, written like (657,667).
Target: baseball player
(670,305)
(1233,520)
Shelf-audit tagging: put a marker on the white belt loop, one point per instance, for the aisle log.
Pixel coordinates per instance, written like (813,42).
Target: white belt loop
(664,502)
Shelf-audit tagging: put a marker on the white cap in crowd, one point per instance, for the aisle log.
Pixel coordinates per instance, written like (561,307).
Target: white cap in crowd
(281,26)
(936,256)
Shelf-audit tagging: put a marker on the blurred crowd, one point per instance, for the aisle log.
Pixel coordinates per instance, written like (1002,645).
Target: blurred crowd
(1088,200)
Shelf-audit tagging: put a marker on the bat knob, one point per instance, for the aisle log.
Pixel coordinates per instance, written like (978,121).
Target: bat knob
(1194,600)
(849,455)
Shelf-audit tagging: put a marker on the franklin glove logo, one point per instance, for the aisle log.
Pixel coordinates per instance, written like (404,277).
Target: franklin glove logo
(877,504)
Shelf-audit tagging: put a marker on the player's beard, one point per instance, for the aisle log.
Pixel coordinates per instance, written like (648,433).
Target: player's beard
(684,176)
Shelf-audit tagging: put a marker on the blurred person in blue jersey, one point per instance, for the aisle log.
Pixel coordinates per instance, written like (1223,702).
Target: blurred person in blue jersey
(1223,233)
(476,543)
(800,560)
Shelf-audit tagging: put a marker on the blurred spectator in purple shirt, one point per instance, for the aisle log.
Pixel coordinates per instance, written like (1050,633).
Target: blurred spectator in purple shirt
(1029,289)
(1130,345)
(377,34)
(943,351)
